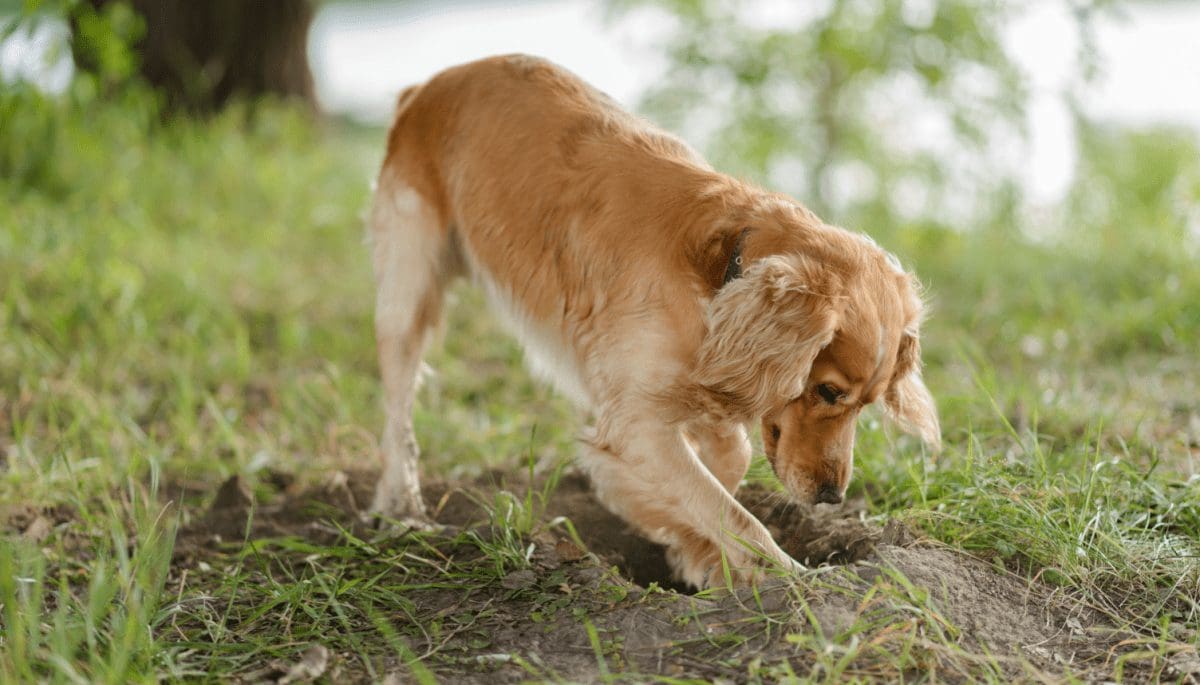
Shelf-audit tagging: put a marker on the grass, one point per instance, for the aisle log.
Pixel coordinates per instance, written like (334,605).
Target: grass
(185,302)
(92,618)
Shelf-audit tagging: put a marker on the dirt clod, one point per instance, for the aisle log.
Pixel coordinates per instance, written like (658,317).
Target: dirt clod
(234,494)
(38,530)
(568,551)
(519,580)
(312,665)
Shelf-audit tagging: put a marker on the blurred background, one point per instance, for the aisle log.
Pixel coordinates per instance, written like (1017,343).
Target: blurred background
(183,185)
(1015,84)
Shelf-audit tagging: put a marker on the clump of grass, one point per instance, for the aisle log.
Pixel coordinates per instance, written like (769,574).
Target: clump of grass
(90,610)
(513,519)
(1113,525)
(1122,536)
(898,631)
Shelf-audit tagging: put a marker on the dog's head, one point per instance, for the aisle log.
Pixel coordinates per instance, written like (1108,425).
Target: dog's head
(805,338)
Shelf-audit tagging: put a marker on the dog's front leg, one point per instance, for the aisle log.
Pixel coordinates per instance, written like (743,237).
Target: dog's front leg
(646,472)
(724,448)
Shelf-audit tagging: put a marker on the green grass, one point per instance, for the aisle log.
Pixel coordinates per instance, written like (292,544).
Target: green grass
(184,302)
(93,617)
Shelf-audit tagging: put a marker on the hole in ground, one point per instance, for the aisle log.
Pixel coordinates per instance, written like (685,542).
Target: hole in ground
(811,535)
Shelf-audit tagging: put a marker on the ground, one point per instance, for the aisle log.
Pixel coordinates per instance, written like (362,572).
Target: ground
(478,608)
(189,408)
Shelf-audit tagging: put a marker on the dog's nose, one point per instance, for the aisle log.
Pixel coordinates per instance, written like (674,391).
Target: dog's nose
(829,494)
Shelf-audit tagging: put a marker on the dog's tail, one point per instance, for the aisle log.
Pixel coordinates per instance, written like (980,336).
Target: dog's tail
(405,97)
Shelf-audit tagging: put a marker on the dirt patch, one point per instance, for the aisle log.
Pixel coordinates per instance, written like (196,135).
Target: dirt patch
(815,536)
(966,617)
(37,524)
(812,535)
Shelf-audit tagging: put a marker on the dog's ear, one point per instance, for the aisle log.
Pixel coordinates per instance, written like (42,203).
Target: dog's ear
(712,260)
(765,329)
(907,401)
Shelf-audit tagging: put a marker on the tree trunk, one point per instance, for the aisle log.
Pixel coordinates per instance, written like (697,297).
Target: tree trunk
(203,53)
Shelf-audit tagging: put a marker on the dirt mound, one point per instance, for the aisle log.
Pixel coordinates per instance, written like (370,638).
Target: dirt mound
(812,535)
(873,577)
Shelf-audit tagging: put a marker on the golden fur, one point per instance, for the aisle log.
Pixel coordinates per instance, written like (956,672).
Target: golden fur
(604,242)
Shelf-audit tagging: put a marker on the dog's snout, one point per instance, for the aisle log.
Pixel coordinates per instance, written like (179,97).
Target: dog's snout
(829,494)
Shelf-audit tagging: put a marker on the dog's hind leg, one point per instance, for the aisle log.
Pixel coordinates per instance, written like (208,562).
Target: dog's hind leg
(724,448)
(410,251)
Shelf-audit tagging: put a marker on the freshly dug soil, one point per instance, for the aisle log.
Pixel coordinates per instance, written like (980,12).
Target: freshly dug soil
(1029,628)
(813,536)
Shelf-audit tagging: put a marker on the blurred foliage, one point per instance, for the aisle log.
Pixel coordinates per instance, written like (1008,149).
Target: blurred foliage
(104,40)
(40,142)
(879,110)
(1135,189)
(1133,215)
(832,90)
(36,128)
(197,58)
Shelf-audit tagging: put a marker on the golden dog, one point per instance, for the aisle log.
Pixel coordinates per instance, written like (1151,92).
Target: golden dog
(675,303)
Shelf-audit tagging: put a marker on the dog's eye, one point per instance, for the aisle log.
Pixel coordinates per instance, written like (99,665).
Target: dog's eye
(829,393)
(775,433)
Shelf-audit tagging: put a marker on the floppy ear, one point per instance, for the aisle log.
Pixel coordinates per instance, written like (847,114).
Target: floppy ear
(714,259)
(907,401)
(763,332)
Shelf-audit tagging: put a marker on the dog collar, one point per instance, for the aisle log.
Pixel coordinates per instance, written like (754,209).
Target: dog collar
(733,270)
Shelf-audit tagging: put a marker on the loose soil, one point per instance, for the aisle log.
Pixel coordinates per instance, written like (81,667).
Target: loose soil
(646,623)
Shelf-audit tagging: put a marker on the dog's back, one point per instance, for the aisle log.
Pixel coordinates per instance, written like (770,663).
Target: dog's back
(526,166)
(516,140)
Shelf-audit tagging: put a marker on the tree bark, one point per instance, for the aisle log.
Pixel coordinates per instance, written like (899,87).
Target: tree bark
(201,54)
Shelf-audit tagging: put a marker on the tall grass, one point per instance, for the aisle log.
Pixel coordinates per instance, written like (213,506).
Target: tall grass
(88,608)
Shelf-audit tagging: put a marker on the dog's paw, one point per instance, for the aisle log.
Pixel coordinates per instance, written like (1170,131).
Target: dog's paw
(691,567)
(756,573)
(402,524)
(405,524)
(401,514)
(704,567)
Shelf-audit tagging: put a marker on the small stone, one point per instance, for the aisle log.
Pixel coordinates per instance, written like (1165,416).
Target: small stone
(519,580)
(1185,664)
(312,665)
(568,551)
(38,529)
(233,495)
(895,533)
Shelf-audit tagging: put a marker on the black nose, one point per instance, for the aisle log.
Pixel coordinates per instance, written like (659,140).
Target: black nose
(829,494)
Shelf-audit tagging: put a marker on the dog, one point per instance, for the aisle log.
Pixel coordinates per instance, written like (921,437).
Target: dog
(676,304)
